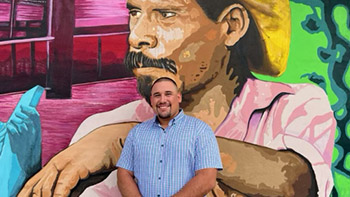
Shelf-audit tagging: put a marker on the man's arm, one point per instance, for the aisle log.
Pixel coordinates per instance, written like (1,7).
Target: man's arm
(200,184)
(94,154)
(127,184)
(256,170)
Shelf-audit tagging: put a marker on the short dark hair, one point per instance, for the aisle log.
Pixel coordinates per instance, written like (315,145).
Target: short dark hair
(163,79)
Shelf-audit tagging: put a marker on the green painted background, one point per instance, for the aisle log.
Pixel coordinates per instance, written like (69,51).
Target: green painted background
(320,54)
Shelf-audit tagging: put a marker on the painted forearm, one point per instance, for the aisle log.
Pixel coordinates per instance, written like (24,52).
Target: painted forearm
(108,141)
(93,154)
(257,170)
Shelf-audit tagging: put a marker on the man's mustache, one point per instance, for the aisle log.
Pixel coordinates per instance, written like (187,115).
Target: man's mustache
(134,60)
(163,104)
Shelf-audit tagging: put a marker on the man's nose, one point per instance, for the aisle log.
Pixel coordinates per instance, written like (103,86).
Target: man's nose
(143,34)
(162,99)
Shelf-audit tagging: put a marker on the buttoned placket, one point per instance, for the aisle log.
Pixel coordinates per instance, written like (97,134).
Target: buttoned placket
(163,139)
(161,158)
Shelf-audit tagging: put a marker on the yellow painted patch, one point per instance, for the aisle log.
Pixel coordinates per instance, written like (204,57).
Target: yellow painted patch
(228,163)
(186,54)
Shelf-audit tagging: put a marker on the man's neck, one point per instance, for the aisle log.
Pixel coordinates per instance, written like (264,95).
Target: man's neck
(164,122)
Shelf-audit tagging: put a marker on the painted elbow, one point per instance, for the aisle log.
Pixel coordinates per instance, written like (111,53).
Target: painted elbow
(300,178)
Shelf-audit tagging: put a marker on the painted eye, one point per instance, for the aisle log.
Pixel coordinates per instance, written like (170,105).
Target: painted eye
(134,13)
(167,14)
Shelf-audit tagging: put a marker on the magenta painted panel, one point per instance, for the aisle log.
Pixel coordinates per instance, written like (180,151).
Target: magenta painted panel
(89,13)
(29,12)
(24,12)
(5,12)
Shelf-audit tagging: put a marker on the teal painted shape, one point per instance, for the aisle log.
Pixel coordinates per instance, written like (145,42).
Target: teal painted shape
(20,143)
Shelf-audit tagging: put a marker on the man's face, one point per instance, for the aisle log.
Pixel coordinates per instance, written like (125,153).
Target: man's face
(165,99)
(176,40)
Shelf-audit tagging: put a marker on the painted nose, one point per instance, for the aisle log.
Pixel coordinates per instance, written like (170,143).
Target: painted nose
(143,34)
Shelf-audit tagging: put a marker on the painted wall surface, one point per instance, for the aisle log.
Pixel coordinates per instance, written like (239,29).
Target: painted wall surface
(320,29)
(319,54)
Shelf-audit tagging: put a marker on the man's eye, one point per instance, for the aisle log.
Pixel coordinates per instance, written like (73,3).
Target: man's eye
(167,14)
(134,13)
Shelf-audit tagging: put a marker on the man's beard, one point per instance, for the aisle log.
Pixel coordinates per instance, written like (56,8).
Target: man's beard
(135,60)
(166,115)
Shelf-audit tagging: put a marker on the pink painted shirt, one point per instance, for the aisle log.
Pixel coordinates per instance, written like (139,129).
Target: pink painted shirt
(281,116)
(275,115)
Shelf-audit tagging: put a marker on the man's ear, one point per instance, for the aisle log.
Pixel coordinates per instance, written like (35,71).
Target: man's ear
(236,22)
(179,97)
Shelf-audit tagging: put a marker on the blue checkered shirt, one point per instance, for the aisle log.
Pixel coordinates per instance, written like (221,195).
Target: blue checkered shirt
(164,160)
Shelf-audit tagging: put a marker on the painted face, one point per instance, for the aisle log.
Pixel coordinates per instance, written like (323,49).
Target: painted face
(174,38)
(165,100)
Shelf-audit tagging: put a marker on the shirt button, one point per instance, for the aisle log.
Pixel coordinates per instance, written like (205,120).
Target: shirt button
(162,145)
(158,178)
(161,161)
(158,195)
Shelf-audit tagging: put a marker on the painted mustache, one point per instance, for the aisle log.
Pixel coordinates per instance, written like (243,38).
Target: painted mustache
(138,59)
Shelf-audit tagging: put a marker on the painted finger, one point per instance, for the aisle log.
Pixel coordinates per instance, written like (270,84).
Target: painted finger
(69,178)
(49,185)
(26,126)
(19,126)
(16,120)
(29,110)
(27,190)
(22,115)
(46,184)
(12,128)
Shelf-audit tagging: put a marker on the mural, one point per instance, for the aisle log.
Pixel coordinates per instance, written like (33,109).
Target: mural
(326,25)
(20,143)
(229,58)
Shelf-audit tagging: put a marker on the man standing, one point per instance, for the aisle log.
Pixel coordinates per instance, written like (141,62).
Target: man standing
(275,139)
(170,154)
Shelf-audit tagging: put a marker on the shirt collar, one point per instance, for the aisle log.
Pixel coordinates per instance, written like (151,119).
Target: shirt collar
(260,94)
(256,94)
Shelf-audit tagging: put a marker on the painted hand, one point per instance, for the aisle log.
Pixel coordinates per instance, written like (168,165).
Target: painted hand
(96,153)
(25,138)
(20,144)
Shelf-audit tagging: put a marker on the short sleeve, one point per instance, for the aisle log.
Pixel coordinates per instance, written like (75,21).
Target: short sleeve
(126,159)
(207,151)
(309,127)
